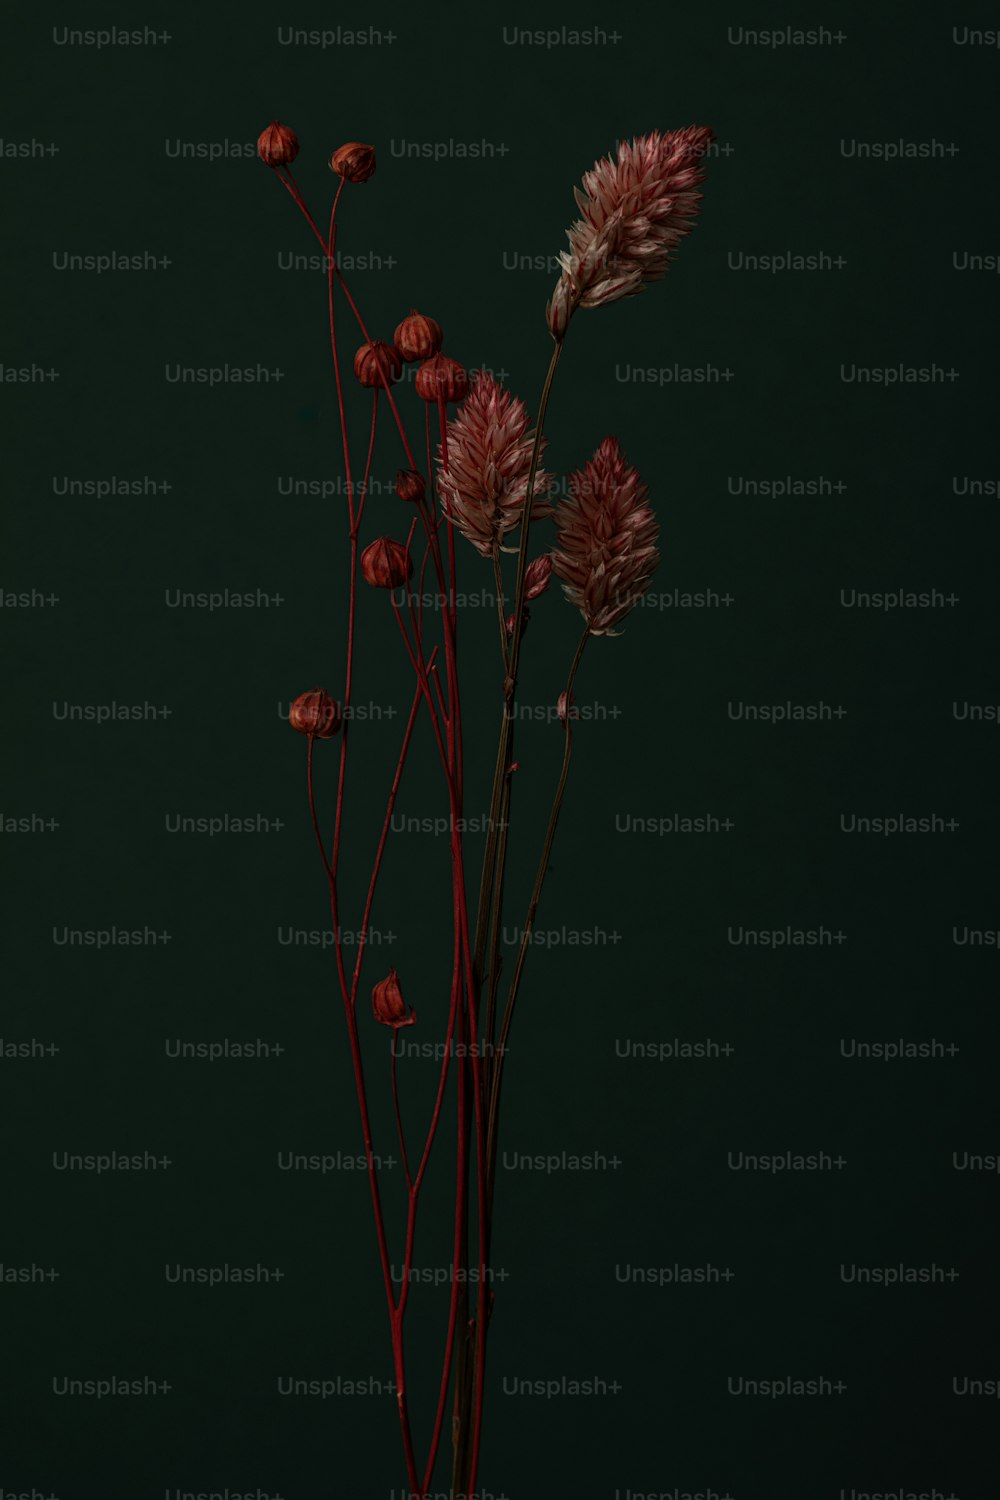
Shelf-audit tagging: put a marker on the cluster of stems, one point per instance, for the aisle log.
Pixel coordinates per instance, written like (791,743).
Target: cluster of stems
(480,1009)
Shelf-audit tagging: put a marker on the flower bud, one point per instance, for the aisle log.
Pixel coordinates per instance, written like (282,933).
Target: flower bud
(559,311)
(418,337)
(316,714)
(278,145)
(388,1003)
(566,710)
(536,579)
(377,364)
(509,623)
(353,161)
(410,485)
(386,564)
(440,376)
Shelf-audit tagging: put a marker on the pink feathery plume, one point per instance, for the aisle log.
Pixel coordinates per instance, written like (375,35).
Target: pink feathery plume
(635,212)
(484,484)
(606,552)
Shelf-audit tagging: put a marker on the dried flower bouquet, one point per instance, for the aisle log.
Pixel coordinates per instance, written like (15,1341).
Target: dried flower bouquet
(483,485)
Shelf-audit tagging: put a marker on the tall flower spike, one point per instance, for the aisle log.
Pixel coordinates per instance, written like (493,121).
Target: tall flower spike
(484,484)
(606,552)
(635,211)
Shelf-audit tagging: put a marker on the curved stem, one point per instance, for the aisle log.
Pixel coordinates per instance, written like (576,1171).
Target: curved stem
(312,808)
(376,868)
(502,768)
(363,490)
(399,1116)
(335,270)
(459,1296)
(491,879)
(529,501)
(352,597)
(494,964)
(498,583)
(452,609)
(291,186)
(529,921)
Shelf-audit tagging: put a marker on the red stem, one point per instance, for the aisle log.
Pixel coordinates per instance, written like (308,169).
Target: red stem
(399,1118)
(450,750)
(312,809)
(385,383)
(460,1210)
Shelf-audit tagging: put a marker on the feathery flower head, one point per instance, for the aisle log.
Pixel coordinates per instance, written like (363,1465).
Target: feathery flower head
(606,551)
(635,212)
(484,484)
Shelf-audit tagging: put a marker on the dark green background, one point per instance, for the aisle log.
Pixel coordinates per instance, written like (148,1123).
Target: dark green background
(781,182)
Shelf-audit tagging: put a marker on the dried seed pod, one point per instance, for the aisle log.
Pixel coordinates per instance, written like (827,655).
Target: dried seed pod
(377,364)
(278,145)
(388,1004)
(353,161)
(418,337)
(410,485)
(386,564)
(440,376)
(315,714)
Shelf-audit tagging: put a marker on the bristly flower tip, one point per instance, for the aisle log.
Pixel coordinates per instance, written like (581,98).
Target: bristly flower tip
(636,210)
(606,552)
(484,484)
